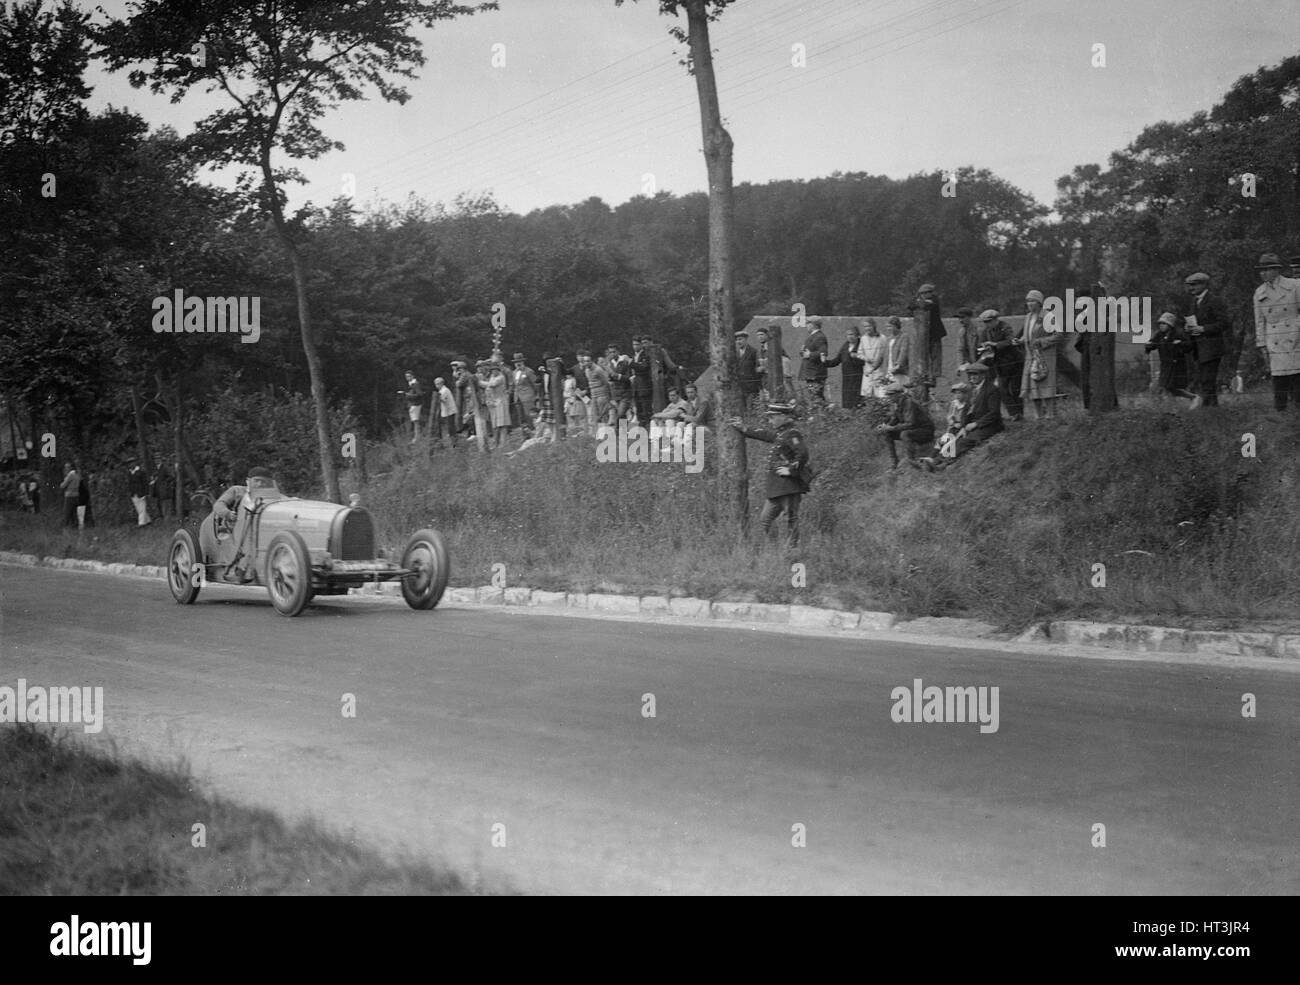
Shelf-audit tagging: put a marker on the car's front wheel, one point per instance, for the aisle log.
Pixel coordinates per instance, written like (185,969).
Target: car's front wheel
(183,577)
(288,573)
(426,555)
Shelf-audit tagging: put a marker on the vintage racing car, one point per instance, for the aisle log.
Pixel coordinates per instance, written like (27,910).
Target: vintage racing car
(299,548)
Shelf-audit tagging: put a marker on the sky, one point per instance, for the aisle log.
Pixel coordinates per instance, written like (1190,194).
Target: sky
(547,102)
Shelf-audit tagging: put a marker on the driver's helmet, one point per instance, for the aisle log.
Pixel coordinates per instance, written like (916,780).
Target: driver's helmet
(261,485)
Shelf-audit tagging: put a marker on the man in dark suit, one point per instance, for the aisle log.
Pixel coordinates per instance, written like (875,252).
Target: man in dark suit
(1008,363)
(1207,324)
(983,416)
(747,369)
(813,369)
(640,373)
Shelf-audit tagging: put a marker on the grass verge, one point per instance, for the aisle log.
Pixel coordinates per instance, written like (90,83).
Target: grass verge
(74,822)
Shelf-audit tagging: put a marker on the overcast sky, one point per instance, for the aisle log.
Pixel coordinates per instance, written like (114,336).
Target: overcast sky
(591,98)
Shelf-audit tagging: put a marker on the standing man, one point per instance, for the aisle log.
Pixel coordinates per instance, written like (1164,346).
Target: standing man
(414,394)
(523,385)
(813,368)
(1277,329)
(907,420)
(967,336)
(747,370)
(897,363)
(1007,362)
(85,509)
(444,406)
(71,489)
(762,336)
(663,372)
(641,392)
(620,383)
(847,357)
(1207,324)
(597,388)
(927,358)
(787,478)
(138,488)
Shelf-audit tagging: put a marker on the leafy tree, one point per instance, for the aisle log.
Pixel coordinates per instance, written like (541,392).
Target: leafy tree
(284,64)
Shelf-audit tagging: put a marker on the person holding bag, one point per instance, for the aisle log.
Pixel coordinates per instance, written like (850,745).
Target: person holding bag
(1038,379)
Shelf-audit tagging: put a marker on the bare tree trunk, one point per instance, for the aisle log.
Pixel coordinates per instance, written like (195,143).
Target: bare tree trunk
(1101,368)
(137,412)
(177,447)
(324,440)
(733,471)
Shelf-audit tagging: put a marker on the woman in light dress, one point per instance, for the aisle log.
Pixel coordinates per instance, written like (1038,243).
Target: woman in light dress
(872,351)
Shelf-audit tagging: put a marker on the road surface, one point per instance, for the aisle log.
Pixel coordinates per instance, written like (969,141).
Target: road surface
(472,718)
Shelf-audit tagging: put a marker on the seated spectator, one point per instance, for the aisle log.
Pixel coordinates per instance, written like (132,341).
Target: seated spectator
(983,417)
(908,420)
(678,409)
(956,418)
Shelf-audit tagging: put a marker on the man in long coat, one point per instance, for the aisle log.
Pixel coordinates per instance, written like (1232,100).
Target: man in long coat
(1277,329)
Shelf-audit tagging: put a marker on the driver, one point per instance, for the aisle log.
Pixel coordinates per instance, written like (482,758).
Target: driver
(235,504)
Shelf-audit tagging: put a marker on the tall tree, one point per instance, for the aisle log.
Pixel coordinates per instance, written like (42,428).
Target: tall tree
(733,470)
(284,64)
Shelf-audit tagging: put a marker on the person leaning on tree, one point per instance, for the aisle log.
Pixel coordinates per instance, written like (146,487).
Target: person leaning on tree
(787,466)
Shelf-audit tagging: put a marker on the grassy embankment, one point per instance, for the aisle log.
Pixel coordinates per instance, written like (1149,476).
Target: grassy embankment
(1185,525)
(73,822)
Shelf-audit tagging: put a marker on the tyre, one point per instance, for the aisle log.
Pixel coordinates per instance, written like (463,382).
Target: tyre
(288,573)
(181,576)
(426,553)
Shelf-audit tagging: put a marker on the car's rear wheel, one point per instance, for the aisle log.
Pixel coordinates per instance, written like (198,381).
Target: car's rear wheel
(182,579)
(426,555)
(288,573)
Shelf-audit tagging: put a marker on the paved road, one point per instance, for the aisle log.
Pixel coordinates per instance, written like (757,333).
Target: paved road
(468,718)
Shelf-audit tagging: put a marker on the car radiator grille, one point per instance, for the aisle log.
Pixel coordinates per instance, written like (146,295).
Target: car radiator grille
(357,540)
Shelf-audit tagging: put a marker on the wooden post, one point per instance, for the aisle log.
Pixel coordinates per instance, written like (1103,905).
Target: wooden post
(775,364)
(555,380)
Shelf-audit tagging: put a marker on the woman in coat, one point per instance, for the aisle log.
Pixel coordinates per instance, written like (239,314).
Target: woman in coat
(872,351)
(1040,343)
(848,358)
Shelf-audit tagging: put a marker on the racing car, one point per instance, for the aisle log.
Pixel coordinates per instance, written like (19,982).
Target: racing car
(298,549)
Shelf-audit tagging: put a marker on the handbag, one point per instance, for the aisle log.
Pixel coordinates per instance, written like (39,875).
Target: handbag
(1037,368)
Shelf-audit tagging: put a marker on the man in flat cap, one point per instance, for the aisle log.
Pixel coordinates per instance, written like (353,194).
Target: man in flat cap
(1209,328)
(812,371)
(1277,329)
(907,420)
(747,369)
(983,416)
(788,474)
(1007,362)
(928,331)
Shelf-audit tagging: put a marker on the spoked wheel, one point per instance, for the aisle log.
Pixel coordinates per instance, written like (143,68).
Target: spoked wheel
(182,579)
(426,554)
(288,573)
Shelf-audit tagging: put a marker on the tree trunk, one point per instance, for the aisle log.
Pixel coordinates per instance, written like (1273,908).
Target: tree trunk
(324,440)
(137,412)
(733,471)
(178,486)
